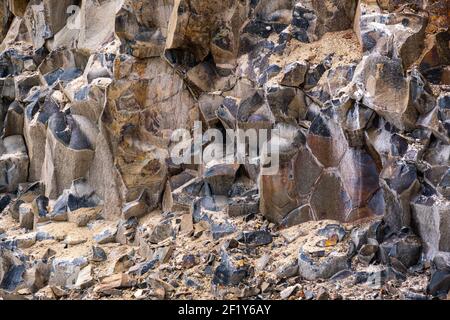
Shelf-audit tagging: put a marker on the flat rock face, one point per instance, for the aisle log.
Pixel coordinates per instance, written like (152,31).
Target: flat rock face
(355,94)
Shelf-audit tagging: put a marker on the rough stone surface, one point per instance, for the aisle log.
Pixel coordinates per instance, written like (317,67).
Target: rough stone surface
(94,206)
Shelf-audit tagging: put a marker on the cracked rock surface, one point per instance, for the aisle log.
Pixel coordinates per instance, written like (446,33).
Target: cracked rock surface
(93,207)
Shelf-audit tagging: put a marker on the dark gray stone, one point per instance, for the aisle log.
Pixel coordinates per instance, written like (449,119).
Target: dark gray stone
(312,268)
(98,254)
(228,273)
(439,283)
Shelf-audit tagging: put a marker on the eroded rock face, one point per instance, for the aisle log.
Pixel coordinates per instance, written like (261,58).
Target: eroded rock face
(14,163)
(142,27)
(314,262)
(92,91)
(325,167)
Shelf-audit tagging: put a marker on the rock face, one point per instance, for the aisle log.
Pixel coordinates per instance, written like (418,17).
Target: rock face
(13,162)
(355,96)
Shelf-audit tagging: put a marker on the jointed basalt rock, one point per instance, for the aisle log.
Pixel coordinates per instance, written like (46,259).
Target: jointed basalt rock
(92,91)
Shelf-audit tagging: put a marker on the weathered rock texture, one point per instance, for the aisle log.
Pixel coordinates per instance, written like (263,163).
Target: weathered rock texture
(91,91)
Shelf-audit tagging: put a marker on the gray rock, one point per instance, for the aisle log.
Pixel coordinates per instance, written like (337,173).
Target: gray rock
(377,279)
(439,283)
(14,163)
(406,248)
(68,156)
(221,229)
(14,120)
(359,236)
(26,216)
(288,270)
(375,30)
(84,278)
(12,270)
(108,235)
(65,272)
(255,238)
(4,201)
(220,177)
(315,72)
(368,251)
(162,231)
(98,254)
(333,231)
(294,74)
(144,267)
(297,216)
(432,220)
(286,293)
(212,211)
(312,268)
(126,231)
(442,261)
(341,275)
(40,209)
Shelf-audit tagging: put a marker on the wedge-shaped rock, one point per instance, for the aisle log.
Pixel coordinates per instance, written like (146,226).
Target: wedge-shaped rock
(137,208)
(14,120)
(23,84)
(80,195)
(294,74)
(12,270)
